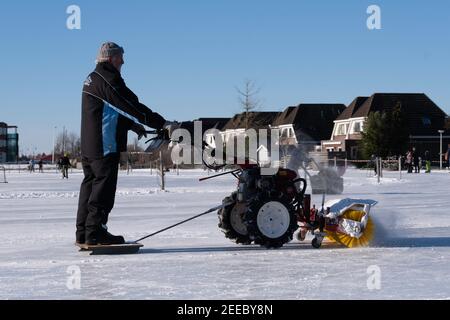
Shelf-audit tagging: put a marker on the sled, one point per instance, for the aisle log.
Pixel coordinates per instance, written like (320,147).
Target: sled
(126,248)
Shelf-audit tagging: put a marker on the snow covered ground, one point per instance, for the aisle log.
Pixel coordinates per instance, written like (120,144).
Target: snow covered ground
(195,260)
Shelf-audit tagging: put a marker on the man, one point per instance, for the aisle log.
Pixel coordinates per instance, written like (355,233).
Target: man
(373,162)
(109,110)
(409,160)
(65,165)
(427,159)
(41,166)
(447,157)
(416,161)
(32,163)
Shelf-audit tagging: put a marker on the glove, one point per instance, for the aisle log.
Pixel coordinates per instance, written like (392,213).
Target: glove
(164,134)
(169,127)
(139,130)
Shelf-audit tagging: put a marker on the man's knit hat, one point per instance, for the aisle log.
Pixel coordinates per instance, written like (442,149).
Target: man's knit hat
(108,50)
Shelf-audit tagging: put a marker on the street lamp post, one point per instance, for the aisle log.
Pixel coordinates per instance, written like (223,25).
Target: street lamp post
(53,153)
(64,140)
(440,149)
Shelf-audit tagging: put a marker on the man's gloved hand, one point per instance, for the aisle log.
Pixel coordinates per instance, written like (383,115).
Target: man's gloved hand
(169,127)
(139,129)
(164,134)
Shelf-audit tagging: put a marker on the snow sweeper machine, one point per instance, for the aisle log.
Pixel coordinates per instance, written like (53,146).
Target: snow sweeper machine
(268,210)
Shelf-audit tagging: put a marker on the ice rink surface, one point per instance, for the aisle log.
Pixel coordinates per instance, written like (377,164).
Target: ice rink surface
(410,258)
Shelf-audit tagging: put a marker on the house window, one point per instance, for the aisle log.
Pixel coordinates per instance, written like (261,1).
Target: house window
(426,121)
(342,129)
(357,127)
(287,133)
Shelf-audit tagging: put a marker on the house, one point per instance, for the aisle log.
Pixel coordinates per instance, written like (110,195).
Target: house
(424,119)
(247,120)
(9,143)
(244,121)
(166,147)
(307,124)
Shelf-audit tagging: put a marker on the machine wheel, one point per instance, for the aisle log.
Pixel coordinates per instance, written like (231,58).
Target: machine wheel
(316,243)
(231,221)
(271,221)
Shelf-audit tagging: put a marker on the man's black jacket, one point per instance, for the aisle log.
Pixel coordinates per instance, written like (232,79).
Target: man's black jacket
(109,109)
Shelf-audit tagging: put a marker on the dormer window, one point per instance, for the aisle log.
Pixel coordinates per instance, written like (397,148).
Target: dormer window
(357,127)
(342,129)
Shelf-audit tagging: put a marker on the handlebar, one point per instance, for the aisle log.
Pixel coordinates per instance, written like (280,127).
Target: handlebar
(305,184)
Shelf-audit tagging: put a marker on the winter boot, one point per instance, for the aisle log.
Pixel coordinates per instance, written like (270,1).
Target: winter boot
(103,237)
(80,237)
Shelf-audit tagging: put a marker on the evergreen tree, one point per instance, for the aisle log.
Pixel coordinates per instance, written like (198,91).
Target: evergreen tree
(399,131)
(373,137)
(385,134)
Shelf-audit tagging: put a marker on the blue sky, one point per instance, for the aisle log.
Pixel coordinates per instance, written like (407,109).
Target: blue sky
(184,58)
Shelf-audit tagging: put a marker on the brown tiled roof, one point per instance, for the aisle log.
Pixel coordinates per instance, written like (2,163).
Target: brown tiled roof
(352,108)
(424,116)
(210,123)
(309,113)
(256,120)
(287,116)
(311,121)
(207,123)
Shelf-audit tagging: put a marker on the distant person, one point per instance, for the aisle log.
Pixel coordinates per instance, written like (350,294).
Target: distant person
(31,165)
(129,164)
(427,159)
(65,165)
(409,160)
(447,157)
(416,161)
(373,162)
(41,166)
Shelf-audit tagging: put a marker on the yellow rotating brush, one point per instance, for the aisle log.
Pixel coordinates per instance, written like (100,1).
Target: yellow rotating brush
(352,242)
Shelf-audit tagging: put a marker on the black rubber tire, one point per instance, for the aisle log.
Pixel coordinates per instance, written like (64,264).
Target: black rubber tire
(252,225)
(226,226)
(315,243)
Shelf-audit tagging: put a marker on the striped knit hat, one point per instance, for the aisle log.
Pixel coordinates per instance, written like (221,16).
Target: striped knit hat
(108,50)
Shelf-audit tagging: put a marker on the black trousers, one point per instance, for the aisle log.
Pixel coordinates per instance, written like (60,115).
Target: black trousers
(97,193)
(65,172)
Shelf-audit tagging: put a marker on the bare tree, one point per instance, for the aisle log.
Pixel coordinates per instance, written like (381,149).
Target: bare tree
(134,147)
(248,99)
(68,143)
